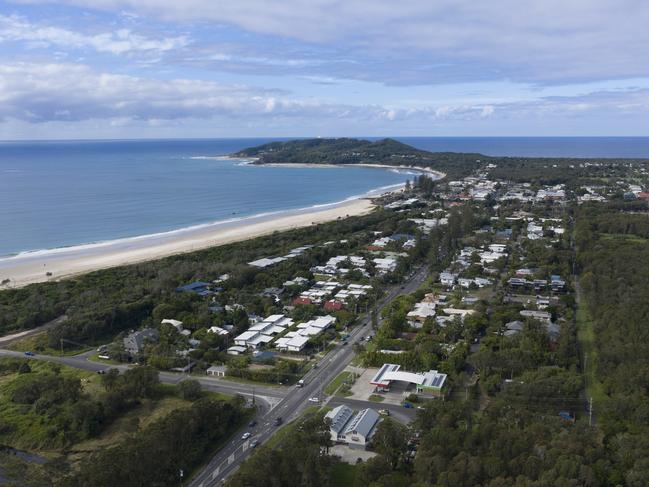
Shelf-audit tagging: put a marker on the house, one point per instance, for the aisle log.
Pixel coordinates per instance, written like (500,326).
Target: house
(199,287)
(236,350)
(420,313)
(297,281)
(462,313)
(301,301)
(178,325)
(513,328)
(354,429)
(218,330)
(135,341)
(557,284)
(333,305)
(216,371)
(447,279)
(543,316)
(296,340)
(266,262)
(465,283)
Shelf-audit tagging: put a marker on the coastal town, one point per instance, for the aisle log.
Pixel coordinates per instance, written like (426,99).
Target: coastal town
(452,293)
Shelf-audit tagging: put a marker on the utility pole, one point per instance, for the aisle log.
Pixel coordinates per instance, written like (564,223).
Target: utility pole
(590,412)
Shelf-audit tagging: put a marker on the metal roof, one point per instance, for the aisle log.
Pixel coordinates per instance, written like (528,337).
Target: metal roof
(339,417)
(363,423)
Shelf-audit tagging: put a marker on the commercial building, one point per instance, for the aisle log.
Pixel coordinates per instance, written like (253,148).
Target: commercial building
(430,382)
(356,430)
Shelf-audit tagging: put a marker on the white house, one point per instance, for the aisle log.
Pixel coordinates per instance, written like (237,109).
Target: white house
(353,429)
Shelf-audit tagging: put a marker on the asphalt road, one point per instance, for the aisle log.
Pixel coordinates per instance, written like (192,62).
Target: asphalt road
(297,399)
(270,395)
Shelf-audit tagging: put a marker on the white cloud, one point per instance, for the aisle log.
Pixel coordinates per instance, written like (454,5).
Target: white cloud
(543,41)
(120,41)
(39,95)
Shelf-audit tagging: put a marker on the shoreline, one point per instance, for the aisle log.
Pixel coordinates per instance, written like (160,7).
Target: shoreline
(66,262)
(424,170)
(31,267)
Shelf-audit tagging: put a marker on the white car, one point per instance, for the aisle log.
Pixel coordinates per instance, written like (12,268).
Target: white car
(245,436)
(314,399)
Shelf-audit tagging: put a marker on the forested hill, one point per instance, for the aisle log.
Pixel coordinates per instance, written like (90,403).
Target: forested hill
(541,170)
(357,151)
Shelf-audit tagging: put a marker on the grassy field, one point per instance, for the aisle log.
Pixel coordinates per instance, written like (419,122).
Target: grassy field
(623,237)
(335,384)
(343,475)
(35,343)
(586,339)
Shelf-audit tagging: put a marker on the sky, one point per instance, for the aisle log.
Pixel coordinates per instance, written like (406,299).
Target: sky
(78,69)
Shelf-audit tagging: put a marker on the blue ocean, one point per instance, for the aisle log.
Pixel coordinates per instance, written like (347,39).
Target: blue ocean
(61,194)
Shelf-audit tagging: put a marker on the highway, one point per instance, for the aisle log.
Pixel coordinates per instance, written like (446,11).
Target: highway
(296,401)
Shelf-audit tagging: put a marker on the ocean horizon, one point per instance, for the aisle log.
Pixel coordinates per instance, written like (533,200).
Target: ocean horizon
(61,194)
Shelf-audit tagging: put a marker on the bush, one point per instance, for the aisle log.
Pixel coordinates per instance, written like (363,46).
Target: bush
(189,390)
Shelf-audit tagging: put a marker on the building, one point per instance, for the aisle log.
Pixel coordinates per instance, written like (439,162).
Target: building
(216,371)
(420,313)
(296,340)
(356,430)
(447,279)
(333,305)
(431,382)
(135,341)
(236,350)
(218,330)
(263,332)
(198,287)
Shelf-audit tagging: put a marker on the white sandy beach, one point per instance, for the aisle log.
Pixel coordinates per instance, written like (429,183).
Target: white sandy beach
(29,268)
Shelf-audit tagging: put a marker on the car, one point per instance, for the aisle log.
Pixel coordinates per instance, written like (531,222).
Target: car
(254,443)
(245,436)
(278,421)
(252,424)
(384,412)
(314,399)
(407,405)
(315,366)
(101,372)
(29,354)
(344,343)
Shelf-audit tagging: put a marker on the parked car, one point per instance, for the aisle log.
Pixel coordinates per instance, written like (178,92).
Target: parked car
(245,436)
(407,405)
(384,412)
(252,424)
(29,354)
(253,443)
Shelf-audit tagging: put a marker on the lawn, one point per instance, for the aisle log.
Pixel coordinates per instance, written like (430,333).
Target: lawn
(335,384)
(624,237)
(586,339)
(36,343)
(376,398)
